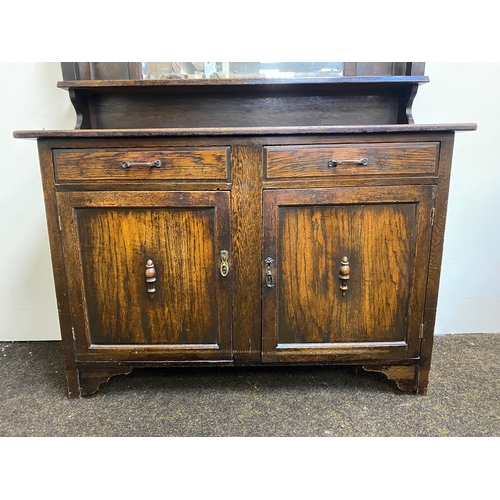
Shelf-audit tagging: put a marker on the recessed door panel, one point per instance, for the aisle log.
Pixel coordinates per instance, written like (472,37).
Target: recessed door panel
(116,245)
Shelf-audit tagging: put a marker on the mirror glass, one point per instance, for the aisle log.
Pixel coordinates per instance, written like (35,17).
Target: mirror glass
(220,70)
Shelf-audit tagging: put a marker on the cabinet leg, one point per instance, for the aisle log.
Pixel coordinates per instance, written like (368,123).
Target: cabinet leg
(422,381)
(90,378)
(404,376)
(73,383)
(422,391)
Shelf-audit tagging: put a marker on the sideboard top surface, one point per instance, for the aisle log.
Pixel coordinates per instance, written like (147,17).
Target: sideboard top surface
(240,131)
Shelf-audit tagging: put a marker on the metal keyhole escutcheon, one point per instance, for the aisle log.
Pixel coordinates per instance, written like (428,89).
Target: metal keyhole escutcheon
(224,266)
(269,272)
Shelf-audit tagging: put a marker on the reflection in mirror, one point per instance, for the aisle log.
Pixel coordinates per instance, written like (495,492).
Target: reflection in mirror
(200,70)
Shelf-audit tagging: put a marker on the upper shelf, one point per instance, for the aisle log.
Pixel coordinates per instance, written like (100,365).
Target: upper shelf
(233,82)
(126,96)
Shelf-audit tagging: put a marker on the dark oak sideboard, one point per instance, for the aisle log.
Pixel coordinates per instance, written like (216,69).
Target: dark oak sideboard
(244,244)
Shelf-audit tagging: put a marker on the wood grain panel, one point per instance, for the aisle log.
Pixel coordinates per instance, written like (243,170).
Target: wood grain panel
(245,107)
(246,199)
(115,246)
(378,241)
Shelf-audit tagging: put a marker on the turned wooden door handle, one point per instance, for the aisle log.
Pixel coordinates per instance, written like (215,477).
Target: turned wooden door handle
(344,274)
(151,278)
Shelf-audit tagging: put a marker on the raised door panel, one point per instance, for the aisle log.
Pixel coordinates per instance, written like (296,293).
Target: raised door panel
(116,242)
(380,236)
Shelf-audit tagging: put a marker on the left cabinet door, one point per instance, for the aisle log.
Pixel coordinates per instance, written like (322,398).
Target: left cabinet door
(149,274)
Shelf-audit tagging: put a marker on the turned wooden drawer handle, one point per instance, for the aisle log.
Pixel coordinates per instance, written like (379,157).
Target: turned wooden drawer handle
(334,163)
(128,164)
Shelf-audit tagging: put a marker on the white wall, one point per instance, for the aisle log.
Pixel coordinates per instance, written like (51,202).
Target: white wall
(469,300)
(458,92)
(29,99)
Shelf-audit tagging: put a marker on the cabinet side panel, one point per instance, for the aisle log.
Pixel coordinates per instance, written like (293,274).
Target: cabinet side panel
(435,258)
(58,267)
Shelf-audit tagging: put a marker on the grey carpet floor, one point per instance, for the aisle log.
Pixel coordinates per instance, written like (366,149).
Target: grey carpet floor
(463,399)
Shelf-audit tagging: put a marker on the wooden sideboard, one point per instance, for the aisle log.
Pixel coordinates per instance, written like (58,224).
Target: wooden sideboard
(245,243)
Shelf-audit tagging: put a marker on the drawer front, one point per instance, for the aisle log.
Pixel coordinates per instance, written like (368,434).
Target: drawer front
(347,159)
(141,164)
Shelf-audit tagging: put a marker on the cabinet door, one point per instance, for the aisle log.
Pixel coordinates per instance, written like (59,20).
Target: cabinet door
(380,237)
(149,274)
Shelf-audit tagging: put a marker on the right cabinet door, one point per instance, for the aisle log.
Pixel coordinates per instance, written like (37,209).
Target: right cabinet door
(345,272)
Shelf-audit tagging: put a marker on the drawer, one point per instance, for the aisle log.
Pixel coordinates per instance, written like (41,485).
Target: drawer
(141,164)
(350,159)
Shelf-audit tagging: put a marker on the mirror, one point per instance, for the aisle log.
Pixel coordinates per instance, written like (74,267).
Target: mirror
(237,70)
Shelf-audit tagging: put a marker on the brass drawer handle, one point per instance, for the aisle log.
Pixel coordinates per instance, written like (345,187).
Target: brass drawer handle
(334,163)
(345,270)
(128,164)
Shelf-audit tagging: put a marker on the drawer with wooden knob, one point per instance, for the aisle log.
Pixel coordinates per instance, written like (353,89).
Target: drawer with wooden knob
(124,164)
(282,162)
